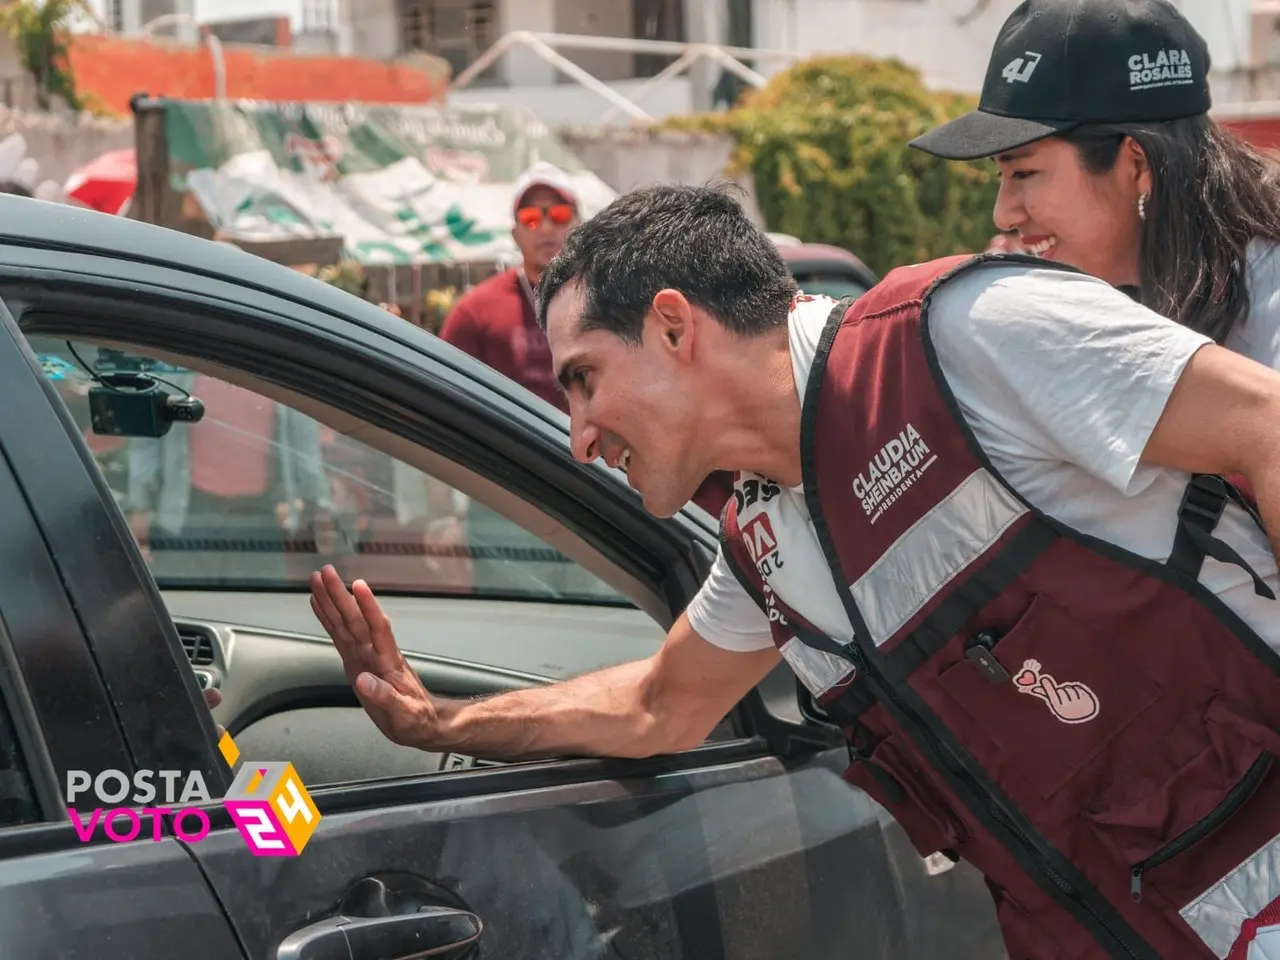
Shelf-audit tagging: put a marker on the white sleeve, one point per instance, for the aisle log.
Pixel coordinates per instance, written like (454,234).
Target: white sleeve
(1061,365)
(1258,337)
(724,614)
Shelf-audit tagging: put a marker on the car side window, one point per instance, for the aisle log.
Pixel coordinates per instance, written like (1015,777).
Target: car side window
(257,495)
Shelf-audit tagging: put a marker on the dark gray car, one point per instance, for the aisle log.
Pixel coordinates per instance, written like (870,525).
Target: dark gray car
(137,568)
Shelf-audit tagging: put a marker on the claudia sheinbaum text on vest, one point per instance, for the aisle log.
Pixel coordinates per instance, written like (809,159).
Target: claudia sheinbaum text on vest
(980,513)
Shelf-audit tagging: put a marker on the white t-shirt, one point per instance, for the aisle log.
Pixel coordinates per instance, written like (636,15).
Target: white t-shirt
(1062,378)
(1259,337)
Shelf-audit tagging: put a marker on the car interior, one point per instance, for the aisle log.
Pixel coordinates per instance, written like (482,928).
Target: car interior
(487,592)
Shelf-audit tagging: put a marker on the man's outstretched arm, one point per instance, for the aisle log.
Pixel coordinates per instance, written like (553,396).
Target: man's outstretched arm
(666,703)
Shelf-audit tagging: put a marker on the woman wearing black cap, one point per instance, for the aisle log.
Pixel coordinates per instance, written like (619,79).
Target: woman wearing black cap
(1097,114)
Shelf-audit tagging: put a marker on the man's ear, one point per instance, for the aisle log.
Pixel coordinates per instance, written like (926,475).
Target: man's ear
(673,314)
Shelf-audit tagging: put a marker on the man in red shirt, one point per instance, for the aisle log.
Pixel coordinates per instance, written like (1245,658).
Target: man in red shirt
(494,321)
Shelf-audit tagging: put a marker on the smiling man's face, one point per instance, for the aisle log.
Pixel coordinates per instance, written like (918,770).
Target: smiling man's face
(633,405)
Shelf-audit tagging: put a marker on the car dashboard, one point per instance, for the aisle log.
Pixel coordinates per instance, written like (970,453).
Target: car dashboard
(285,695)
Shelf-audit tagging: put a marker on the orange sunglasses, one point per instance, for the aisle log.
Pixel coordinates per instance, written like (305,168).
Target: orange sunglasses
(531,217)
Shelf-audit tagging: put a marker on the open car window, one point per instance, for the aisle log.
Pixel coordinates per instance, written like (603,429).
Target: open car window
(256,495)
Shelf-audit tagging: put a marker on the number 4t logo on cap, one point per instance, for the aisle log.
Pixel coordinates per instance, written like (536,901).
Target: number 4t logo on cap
(1020,70)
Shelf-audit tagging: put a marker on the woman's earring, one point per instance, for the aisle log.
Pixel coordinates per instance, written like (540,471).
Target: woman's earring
(1142,207)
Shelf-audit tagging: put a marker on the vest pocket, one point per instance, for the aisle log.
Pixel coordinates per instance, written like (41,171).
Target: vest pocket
(1046,696)
(1170,818)
(883,771)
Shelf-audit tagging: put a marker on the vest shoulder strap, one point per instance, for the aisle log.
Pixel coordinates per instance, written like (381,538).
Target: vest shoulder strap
(729,537)
(1205,498)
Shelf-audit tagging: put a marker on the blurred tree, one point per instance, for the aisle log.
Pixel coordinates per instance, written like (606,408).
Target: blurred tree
(826,144)
(40,30)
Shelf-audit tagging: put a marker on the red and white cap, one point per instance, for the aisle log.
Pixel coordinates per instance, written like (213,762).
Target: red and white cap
(543,174)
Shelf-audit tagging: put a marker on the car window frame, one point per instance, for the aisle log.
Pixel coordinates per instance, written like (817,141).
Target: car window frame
(170,303)
(113,597)
(685,562)
(149,286)
(51,683)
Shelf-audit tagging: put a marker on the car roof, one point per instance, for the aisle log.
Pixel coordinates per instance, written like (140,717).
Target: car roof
(38,223)
(30,222)
(825,256)
(816,251)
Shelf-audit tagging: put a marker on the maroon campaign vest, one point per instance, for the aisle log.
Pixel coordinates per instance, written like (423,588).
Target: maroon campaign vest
(1096,732)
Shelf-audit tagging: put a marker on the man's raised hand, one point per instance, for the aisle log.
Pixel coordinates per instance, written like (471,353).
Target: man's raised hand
(386,686)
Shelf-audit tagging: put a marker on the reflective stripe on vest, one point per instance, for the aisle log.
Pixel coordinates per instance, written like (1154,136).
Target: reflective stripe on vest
(1221,913)
(947,539)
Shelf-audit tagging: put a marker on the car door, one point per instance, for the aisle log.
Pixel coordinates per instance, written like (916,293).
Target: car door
(61,895)
(739,848)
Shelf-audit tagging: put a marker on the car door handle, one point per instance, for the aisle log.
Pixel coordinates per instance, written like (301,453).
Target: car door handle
(440,932)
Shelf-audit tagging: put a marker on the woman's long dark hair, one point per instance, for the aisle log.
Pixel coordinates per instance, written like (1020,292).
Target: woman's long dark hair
(1210,195)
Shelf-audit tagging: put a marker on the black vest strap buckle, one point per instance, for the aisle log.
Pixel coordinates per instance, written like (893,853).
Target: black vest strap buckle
(1203,501)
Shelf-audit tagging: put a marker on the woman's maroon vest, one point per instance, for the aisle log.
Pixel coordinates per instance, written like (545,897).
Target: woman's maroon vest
(1094,731)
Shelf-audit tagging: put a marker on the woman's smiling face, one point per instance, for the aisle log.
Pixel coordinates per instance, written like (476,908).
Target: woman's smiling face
(1063,211)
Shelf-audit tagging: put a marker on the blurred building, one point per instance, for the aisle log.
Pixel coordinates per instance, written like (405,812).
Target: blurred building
(950,40)
(460,31)
(130,16)
(275,31)
(947,40)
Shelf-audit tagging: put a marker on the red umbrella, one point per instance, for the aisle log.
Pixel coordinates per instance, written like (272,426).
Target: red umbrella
(106,183)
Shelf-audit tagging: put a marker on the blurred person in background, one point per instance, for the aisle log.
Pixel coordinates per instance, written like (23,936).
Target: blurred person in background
(1109,162)
(494,321)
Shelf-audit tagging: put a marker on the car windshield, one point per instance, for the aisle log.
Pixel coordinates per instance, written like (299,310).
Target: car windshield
(257,495)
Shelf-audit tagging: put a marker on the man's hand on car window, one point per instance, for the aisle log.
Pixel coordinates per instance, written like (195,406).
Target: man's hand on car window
(386,686)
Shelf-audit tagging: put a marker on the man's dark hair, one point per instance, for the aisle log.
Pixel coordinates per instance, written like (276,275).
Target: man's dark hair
(1210,195)
(697,240)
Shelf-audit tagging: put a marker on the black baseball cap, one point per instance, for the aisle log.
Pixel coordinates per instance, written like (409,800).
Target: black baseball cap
(1059,64)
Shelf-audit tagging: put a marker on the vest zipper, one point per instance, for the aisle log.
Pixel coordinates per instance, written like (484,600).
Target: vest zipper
(1236,796)
(936,747)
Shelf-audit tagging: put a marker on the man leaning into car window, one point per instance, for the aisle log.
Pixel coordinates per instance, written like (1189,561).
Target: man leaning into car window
(982,513)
